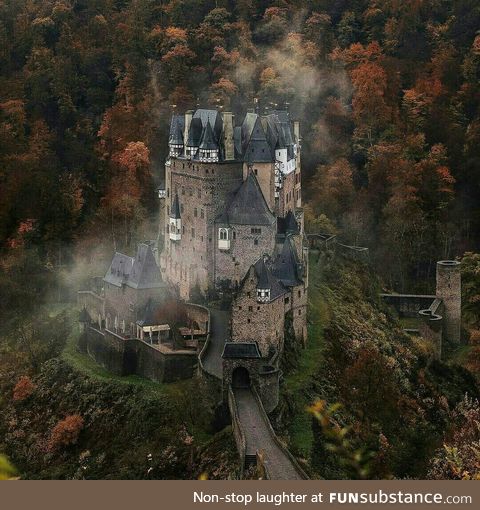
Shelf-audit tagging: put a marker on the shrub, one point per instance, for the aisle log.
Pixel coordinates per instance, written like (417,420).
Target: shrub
(66,432)
(23,389)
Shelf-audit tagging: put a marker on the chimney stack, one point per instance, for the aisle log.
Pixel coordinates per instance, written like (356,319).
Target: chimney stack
(228,135)
(188,120)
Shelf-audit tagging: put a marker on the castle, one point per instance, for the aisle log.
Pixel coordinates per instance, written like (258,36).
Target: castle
(234,219)
(233,225)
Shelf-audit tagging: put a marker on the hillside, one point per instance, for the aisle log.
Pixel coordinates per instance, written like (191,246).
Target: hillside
(395,402)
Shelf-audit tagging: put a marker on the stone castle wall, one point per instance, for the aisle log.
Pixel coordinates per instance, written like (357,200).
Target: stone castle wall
(449,290)
(202,190)
(260,322)
(131,356)
(233,264)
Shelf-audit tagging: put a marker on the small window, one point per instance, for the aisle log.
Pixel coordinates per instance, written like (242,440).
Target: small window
(255,242)
(168,192)
(195,213)
(223,234)
(234,234)
(258,308)
(256,230)
(181,208)
(183,229)
(199,194)
(250,308)
(287,300)
(249,321)
(168,210)
(299,293)
(239,307)
(193,233)
(299,312)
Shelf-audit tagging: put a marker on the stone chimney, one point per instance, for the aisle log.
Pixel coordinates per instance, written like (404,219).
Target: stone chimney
(296,131)
(228,135)
(188,120)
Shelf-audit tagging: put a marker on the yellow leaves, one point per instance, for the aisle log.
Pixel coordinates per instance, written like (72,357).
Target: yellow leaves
(7,471)
(176,34)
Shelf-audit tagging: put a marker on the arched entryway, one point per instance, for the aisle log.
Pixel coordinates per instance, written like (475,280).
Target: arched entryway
(241,378)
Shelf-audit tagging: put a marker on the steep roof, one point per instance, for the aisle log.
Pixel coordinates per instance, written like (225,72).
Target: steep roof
(119,269)
(195,132)
(266,280)
(145,273)
(175,212)
(257,148)
(241,350)
(285,266)
(288,225)
(255,140)
(176,130)
(248,206)
(140,272)
(208,141)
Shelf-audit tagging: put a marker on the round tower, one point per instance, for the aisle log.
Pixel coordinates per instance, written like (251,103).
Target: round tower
(449,290)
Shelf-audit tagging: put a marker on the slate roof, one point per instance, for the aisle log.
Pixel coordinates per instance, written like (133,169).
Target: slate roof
(247,206)
(255,139)
(145,273)
(286,266)
(175,212)
(119,270)
(139,272)
(288,225)
(177,126)
(257,148)
(208,141)
(266,280)
(195,132)
(241,350)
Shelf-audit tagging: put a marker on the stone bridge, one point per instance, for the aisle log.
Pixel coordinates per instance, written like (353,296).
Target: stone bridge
(254,435)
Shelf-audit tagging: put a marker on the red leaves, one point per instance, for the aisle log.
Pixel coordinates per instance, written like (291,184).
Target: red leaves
(23,389)
(66,432)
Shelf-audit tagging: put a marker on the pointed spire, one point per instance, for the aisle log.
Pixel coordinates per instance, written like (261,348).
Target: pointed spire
(208,140)
(175,212)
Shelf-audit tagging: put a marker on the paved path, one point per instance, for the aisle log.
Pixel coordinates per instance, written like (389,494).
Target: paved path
(258,436)
(220,332)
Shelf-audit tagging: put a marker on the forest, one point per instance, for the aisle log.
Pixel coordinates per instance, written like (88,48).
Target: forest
(388,96)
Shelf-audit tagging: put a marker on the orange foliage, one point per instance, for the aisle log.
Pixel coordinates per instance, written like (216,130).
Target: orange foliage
(177,34)
(23,389)
(66,432)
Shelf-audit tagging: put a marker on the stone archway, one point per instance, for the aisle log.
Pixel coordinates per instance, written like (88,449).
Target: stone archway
(240,378)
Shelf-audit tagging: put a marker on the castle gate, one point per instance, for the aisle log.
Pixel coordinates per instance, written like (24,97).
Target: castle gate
(241,378)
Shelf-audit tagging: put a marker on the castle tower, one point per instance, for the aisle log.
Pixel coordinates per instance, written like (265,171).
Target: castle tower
(449,289)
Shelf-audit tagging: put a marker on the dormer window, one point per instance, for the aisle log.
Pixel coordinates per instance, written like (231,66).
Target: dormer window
(223,238)
(263,295)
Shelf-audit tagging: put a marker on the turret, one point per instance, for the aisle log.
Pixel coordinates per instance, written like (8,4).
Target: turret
(208,149)
(175,140)
(175,223)
(263,284)
(449,290)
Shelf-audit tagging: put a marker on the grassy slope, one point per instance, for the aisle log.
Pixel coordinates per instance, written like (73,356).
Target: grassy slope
(298,382)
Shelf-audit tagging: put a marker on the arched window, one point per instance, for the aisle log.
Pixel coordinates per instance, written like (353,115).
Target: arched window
(224,238)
